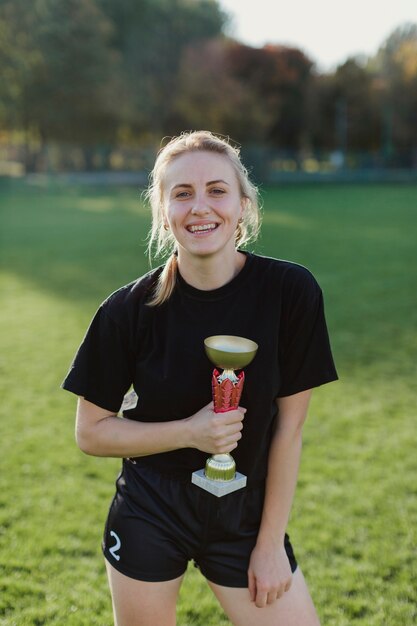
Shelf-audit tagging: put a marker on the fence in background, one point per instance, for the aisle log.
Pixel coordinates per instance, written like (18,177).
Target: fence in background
(101,164)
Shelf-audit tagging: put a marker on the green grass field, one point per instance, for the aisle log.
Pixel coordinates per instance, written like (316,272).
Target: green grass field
(354,520)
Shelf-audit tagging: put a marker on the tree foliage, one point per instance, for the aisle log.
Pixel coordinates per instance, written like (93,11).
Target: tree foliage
(348,109)
(211,95)
(151,36)
(59,69)
(103,71)
(396,64)
(279,78)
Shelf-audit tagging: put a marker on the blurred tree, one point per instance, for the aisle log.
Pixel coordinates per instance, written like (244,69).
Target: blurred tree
(396,65)
(210,96)
(19,58)
(87,70)
(151,36)
(280,78)
(100,71)
(321,112)
(294,71)
(59,70)
(349,113)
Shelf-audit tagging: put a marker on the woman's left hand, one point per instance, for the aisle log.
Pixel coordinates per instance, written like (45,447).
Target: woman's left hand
(269,574)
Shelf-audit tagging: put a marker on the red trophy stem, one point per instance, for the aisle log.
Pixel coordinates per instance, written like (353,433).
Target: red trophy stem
(226,394)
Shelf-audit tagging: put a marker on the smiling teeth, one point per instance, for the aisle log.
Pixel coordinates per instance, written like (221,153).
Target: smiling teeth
(195,229)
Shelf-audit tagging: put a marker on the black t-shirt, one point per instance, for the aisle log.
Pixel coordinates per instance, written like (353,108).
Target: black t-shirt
(160,351)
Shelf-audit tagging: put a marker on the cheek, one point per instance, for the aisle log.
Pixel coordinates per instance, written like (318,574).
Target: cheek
(168,211)
(174,213)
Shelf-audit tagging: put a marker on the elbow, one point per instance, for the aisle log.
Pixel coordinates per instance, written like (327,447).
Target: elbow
(85,442)
(91,433)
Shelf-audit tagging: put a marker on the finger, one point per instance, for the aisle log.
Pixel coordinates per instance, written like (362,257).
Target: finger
(261,595)
(233,431)
(229,433)
(232,417)
(261,599)
(241,409)
(230,442)
(225,449)
(251,586)
(272,596)
(288,585)
(228,417)
(279,592)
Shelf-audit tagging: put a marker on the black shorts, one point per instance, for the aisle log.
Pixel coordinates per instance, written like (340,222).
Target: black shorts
(157,524)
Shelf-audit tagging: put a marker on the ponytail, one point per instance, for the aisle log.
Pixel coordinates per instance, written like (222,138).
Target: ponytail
(166,282)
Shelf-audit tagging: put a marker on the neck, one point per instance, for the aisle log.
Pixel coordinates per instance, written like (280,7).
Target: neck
(208,273)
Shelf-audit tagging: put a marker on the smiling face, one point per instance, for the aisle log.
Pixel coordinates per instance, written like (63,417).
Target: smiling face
(202,204)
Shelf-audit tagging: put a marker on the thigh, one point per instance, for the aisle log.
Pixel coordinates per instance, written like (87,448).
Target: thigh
(234,528)
(295,608)
(142,538)
(140,603)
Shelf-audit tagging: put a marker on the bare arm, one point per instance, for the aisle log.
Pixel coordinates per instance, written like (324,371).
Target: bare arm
(101,433)
(269,570)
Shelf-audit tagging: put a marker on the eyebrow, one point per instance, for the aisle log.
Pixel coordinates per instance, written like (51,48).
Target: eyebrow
(210,182)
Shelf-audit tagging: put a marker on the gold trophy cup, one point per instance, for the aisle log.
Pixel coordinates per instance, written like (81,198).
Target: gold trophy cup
(229,353)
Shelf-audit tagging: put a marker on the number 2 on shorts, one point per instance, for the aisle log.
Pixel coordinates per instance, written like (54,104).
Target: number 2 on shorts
(116,546)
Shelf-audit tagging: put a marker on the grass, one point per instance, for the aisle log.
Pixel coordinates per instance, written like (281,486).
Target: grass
(354,519)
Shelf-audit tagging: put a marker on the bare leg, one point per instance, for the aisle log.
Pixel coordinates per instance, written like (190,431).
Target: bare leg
(139,603)
(294,608)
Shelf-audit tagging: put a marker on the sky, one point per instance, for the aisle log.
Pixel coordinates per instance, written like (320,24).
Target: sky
(328,31)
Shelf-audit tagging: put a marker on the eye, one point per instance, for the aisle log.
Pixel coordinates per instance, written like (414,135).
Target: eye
(217,191)
(182,194)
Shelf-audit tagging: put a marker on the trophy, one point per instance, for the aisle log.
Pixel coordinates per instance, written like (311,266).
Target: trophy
(229,353)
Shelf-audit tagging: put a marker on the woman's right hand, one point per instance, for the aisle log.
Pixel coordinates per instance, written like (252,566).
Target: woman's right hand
(215,433)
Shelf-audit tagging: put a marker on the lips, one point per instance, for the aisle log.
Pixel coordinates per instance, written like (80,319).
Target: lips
(201,228)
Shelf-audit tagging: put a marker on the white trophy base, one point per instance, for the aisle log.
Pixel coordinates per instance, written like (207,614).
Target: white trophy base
(218,488)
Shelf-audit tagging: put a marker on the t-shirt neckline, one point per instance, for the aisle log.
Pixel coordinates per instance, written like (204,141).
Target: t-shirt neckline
(221,292)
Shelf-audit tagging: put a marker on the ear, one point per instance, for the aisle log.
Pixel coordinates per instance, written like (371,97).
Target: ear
(164,218)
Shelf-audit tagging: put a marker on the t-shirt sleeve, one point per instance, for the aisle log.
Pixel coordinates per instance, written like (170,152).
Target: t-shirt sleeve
(101,371)
(305,355)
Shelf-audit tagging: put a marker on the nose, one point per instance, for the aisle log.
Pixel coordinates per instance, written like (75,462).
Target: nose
(200,206)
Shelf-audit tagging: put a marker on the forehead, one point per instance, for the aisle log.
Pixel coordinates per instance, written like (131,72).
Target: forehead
(199,168)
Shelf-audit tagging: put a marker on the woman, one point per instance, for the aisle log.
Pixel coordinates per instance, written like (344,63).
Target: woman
(150,334)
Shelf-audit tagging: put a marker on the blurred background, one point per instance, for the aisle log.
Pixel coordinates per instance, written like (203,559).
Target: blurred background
(322,97)
(93,85)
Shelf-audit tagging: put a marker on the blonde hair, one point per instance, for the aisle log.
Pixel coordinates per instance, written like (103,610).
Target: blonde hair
(161,241)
